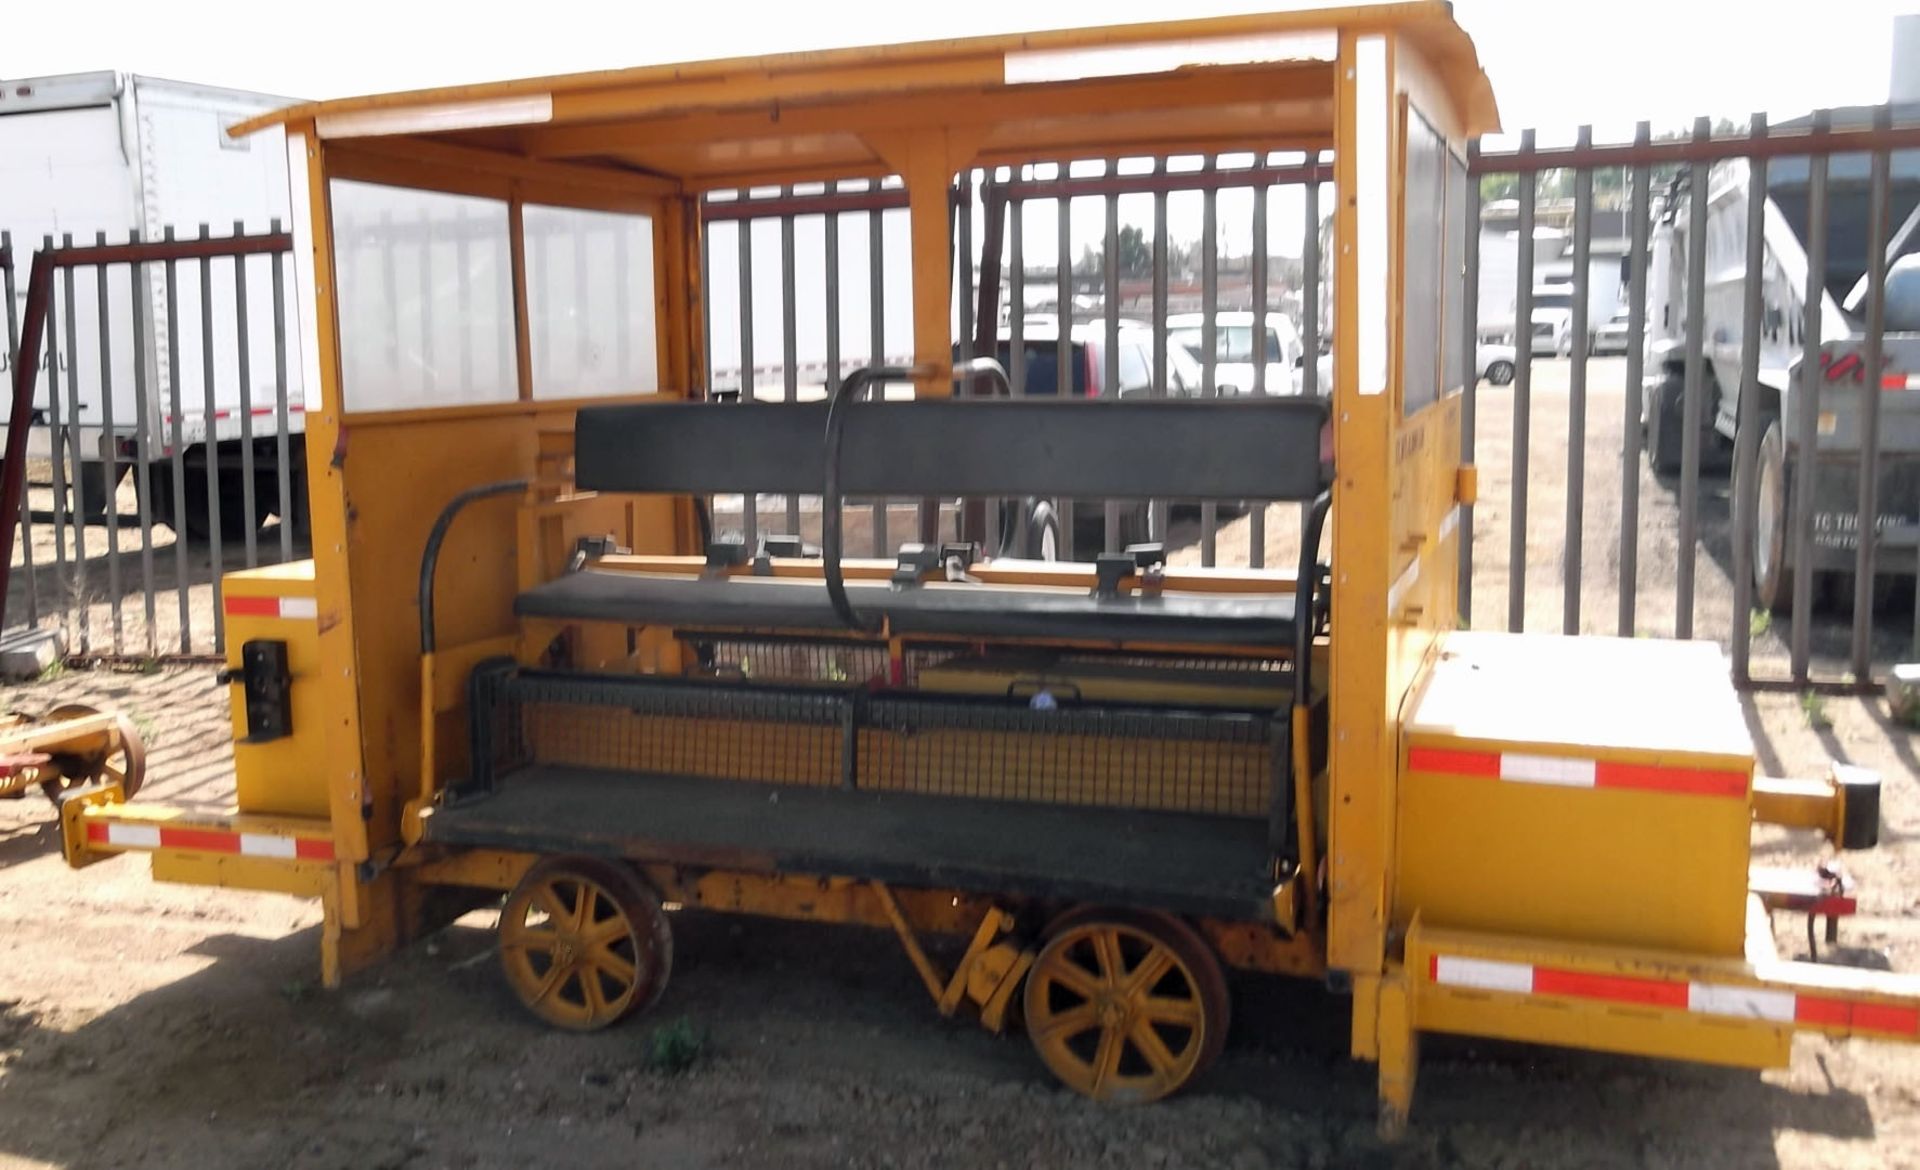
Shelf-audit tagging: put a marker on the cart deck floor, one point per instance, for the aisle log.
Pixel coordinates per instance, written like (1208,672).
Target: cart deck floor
(1180,862)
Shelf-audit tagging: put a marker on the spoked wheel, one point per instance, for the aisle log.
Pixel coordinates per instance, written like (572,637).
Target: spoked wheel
(1125,1006)
(89,761)
(583,943)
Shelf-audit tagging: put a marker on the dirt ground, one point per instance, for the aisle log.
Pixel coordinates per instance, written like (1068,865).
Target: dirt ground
(151,1025)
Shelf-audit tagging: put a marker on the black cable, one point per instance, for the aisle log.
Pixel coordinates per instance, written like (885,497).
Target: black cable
(430,560)
(1305,608)
(849,390)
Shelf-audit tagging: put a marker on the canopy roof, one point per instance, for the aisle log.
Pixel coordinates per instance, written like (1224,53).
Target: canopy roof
(1196,86)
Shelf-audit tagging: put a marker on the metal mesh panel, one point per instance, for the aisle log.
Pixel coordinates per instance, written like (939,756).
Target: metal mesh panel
(1124,757)
(1127,758)
(688,729)
(796,660)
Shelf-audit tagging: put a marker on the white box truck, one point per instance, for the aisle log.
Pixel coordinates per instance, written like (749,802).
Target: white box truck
(90,153)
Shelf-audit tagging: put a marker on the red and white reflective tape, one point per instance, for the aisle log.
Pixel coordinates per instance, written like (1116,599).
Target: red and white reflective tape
(1775,1005)
(1574,772)
(298,608)
(123,835)
(1899,381)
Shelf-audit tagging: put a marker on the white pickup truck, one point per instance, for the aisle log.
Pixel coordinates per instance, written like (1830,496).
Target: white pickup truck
(114,153)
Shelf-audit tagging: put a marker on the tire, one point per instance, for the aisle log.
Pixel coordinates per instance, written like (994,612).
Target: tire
(1665,432)
(1043,533)
(1500,373)
(1767,492)
(91,493)
(1136,524)
(613,934)
(197,524)
(1113,949)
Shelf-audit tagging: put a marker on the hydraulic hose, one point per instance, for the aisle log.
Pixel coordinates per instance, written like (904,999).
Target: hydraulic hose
(849,390)
(430,559)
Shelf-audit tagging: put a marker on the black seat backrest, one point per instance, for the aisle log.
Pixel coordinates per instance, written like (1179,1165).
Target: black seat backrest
(1222,449)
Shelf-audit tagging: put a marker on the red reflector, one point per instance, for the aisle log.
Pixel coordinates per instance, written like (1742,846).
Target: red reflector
(204,840)
(1453,763)
(1659,779)
(1614,988)
(253,606)
(1878,1017)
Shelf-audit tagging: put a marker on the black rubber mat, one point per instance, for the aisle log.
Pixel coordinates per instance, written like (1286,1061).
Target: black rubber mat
(775,603)
(1185,863)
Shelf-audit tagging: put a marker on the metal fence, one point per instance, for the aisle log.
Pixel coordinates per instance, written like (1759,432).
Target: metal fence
(1025,296)
(1757,411)
(1764,416)
(155,440)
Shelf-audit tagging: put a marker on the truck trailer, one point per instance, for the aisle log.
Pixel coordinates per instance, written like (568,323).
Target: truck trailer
(104,157)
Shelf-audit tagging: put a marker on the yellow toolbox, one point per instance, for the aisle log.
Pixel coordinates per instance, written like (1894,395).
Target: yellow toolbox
(273,647)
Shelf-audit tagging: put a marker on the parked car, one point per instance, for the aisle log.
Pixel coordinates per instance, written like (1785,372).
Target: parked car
(1040,351)
(1493,362)
(1611,337)
(1040,378)
(1233,349)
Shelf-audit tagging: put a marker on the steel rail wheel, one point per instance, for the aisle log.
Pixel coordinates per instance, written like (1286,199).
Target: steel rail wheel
(1125,1006)
(583,943)
(101,758)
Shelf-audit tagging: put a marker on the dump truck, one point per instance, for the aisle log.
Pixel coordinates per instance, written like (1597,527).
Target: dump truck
(523,668)
(1783,462)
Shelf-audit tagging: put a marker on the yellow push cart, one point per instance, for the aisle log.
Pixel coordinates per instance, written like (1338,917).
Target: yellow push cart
(524,659)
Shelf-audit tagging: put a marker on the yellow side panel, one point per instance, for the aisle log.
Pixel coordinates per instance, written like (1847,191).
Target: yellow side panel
(305,880)
(284,776)
(399,474)
(1583,789)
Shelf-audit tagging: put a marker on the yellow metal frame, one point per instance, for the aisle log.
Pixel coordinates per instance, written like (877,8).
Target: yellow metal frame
(654,141)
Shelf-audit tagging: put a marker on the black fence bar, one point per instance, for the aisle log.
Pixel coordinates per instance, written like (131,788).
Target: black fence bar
(1879,200)
(176,445)
(1210,337)
(109,501)
(789,342)
(1110,376)
(1160,512)
(1806,413)
(77,509)
(1748,423)
(877,322)
(216,543)
(1577,394)
(57,450)
(1257,524)
(140,305)
(1693,395)
(1063,346)
(243,410)
(1522,399)
(1637,214)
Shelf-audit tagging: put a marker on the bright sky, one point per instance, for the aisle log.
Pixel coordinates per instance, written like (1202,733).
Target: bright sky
(1553,65)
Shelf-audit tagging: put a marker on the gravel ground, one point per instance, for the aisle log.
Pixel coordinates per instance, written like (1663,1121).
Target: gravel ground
(151,1025)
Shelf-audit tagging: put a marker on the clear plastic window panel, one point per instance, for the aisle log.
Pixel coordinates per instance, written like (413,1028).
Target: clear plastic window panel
(590,308)
(426,298)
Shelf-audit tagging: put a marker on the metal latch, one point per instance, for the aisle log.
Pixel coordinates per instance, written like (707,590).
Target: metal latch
(1111,570)
(266,686)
